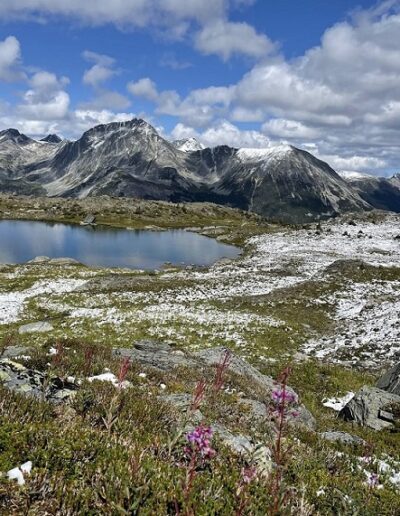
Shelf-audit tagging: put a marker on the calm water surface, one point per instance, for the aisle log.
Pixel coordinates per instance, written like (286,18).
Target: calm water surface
(101,246)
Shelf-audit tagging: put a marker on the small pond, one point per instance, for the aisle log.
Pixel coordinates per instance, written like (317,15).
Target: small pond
(103,246)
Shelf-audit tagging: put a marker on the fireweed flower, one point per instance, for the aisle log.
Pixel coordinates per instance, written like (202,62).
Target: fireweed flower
(283,397)
(200,442)
(248,474)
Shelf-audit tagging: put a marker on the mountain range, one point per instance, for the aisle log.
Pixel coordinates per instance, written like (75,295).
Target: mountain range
(130,159)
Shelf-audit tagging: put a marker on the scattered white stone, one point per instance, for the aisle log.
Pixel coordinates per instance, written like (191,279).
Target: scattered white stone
(386,469)
(338,403)
(369,325)
(19,472)
(110,377)
(12,304)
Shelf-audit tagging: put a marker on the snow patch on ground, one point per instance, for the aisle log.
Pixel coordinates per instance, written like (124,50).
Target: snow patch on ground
(366,313)
(369,325)
(12,304)
(338,403)
(109,377)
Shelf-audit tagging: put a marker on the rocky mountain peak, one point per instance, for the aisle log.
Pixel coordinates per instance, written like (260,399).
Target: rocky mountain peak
(188,145)
(51,138)
(13,135)
(136,124)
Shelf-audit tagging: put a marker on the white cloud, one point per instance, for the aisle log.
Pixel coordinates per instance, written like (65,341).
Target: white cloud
(10,57)
(144,88)
(56,107)
(281,128)
(174,18)
(343,93)
(279,86)
(356,163)
(244,114)
(97,74)
(222,133)
(101,59)
(44,83)
(137,13)
(101,71)
(225,39)
(46,99)
(200,10)
(197,109)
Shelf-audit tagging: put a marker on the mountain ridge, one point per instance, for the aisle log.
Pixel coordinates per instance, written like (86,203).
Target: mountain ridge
(131,159)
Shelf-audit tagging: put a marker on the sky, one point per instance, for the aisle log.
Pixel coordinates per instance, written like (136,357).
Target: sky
(323,75)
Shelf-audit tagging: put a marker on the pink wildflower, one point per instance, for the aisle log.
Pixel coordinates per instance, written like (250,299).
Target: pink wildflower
(283,397)
(123,371)
(200,441)
(249,474)
(222,367)
(198,395)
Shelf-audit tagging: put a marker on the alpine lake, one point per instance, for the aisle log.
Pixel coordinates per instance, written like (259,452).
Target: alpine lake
(103,246)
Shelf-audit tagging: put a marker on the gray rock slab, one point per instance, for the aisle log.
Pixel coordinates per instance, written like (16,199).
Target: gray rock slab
(157,355)
(342,437)
(15,351)
(89,219)
(390,381)
(366,407)
(237,365)
(36,327)
(238,443)
(264,383)
(18,378)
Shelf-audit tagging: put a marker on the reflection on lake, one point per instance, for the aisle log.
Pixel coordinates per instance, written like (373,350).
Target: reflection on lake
(21,241)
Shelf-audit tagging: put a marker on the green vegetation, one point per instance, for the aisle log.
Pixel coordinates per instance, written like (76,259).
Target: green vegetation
(122,451)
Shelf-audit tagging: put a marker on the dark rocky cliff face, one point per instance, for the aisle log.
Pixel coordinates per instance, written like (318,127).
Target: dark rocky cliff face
(382,193)
(131,159)
(51,138)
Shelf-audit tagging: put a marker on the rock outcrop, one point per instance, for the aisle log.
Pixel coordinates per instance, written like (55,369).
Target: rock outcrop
(372,407)
(18,378)
(390,381)
(163,358)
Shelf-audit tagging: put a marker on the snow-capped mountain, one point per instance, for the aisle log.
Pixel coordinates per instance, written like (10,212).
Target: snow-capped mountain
(352,175)
(381,192)
(131,159)
(188,145)
(286,183)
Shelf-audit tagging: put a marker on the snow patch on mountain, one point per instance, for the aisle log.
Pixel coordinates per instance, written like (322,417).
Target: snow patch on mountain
(352,175)
(188,145)
(278,151)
